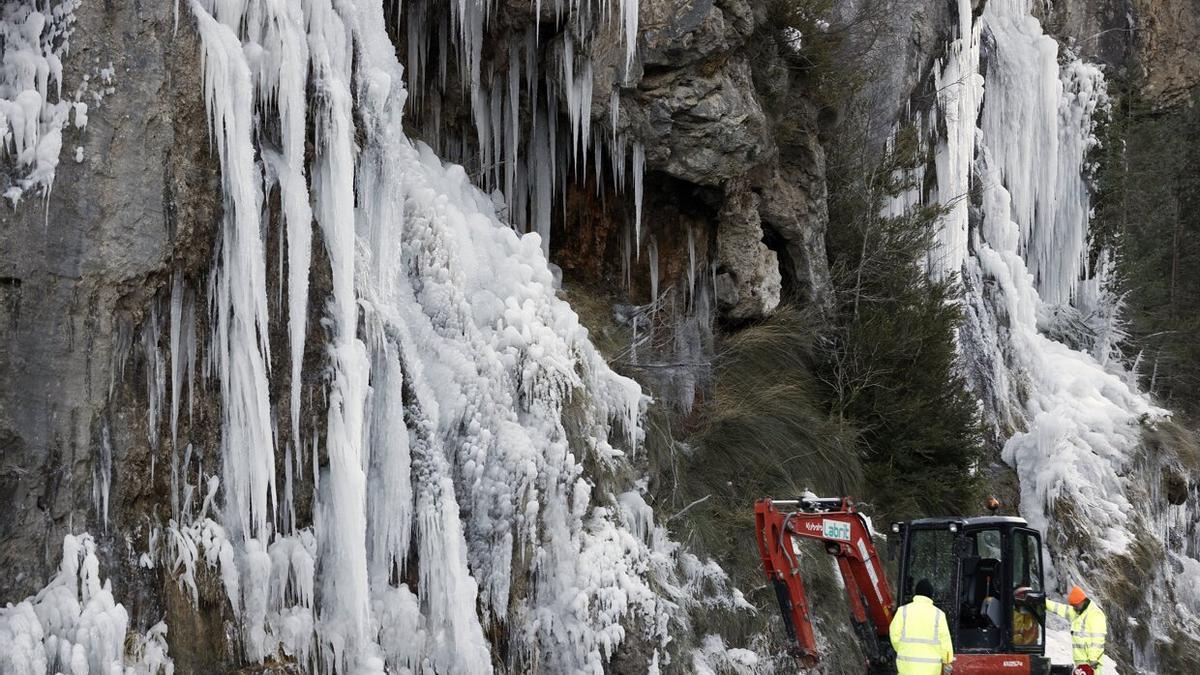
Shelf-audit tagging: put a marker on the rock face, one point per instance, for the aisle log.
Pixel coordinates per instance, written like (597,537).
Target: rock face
(704,128)
(897,41)
(1167,34)
(733,224)
(1150,41)
(1095,29)
(715,92)
(81,268)
(748,281)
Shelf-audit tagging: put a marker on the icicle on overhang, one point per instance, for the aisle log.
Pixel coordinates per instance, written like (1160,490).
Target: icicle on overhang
(516,92)
(463,473)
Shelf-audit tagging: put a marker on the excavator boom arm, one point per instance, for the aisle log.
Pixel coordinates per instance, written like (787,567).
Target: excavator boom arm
(846,536)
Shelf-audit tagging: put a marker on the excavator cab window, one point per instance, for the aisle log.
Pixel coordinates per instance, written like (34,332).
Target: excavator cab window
(930,556)
(1028,618)
(980,600)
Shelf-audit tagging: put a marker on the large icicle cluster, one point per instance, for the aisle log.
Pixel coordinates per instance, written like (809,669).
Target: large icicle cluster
(959,88)
(1080,421)
(32,110)
(1075,419)
(521,152)
(74,626)
(467,470)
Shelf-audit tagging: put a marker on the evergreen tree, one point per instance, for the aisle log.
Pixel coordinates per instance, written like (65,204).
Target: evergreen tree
(1148,212)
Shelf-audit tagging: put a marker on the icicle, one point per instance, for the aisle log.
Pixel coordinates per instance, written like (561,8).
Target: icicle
(614,107)
(585,110)
(598,172)
(620,160)
(102,476)
(543,181)
(189,348)
(178,358)
(960,92)
(512,139)
(239,340)
(286,42)
(639,171)
(652,249)
(345,602)
(691,244)
(496,105)
(574,94)
(156,382)
(390,519)
(629,16)
(289,499)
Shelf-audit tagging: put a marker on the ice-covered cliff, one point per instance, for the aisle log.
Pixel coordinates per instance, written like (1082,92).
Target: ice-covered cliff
(1043,324)
(281,331)
(462,480)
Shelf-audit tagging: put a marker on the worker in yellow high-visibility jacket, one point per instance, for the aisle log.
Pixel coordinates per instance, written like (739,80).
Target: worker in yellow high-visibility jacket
(1089,627)
(921,635)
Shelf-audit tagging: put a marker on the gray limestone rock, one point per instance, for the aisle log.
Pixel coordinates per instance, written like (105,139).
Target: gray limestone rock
(748,280)
(1168,32)
(793,203)
(702,125)
(678,34)
(82,267)
(898,42)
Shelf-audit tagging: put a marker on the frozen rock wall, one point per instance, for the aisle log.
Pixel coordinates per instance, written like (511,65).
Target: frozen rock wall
(321,407)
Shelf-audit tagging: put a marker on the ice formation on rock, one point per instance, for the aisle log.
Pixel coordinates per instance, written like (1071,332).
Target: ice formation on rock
(536,77)
(1074,418)
(75,626)
(470,460)
(32,110)
(473,444)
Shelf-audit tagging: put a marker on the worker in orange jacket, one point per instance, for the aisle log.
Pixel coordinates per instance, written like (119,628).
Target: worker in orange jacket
(1089,627)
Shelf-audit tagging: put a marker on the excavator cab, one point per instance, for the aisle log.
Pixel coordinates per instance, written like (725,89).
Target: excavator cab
(976,567)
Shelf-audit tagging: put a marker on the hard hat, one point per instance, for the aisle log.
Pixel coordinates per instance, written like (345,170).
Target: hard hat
(1077,596)
(1083,669)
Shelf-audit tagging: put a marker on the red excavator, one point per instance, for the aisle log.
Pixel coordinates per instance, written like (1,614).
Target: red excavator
(976,566)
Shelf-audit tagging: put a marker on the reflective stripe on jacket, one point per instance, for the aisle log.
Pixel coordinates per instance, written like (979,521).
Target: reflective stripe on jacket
(921,637)
(1088,631)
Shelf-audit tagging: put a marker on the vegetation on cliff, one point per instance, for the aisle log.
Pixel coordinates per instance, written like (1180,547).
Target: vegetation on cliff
(1148,212)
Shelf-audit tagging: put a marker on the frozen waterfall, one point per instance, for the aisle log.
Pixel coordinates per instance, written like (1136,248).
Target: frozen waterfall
(1011,172)
(425,466)
(464,399)
(473,504)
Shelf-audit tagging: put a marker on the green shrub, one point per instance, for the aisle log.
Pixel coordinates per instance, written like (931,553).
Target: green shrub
(763,431)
